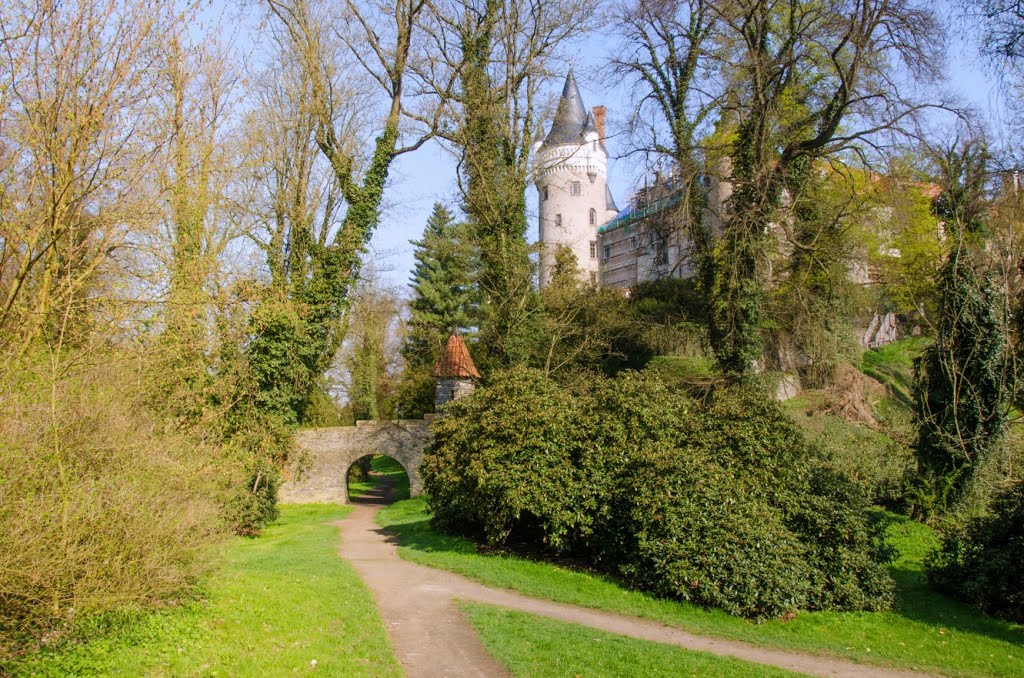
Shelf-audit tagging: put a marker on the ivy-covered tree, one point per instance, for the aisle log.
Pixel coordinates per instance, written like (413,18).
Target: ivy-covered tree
(962,385)
(445,296)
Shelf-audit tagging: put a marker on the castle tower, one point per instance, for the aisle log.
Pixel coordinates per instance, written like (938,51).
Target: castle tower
(570,172)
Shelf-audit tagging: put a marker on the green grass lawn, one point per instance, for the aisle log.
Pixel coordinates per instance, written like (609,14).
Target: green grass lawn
(387,467)
(893,365)
(537,647)
(279,603)
(926,631)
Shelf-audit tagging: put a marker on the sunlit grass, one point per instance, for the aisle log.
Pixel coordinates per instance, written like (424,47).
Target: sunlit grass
(536,647)
(926,631)
(387,468)
(283,603)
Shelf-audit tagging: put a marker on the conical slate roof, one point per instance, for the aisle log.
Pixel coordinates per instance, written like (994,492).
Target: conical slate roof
(455,362)
(571,116)
(609,201)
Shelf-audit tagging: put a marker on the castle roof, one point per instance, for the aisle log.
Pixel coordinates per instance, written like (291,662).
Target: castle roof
(609,201)
(455,361)
(644,204)
(571,116)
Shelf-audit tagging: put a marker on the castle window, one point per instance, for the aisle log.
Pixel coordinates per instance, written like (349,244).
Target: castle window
(544,192)
(607,251)
(661,252)
(558,220)
(574,188)
(593,217)
(593,249)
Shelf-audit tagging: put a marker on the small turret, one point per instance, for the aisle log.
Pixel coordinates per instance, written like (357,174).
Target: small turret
(538,139)
(455,372)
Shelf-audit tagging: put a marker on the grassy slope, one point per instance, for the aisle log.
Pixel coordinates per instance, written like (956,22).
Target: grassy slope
(279,602)
(385,466)
(536,647)
(893,365)
(927,630)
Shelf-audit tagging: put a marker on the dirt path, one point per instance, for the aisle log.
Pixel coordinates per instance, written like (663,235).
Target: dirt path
(432,638)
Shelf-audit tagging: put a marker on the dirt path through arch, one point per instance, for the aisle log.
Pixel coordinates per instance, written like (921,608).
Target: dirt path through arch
(433,639)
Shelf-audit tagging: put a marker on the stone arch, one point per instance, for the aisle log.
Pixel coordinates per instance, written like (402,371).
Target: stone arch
(321,472)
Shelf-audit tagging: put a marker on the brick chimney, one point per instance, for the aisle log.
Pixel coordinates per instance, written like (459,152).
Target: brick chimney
(599,114)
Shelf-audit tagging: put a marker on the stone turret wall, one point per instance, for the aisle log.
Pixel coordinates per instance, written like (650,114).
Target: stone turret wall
(564,218)
(320,474)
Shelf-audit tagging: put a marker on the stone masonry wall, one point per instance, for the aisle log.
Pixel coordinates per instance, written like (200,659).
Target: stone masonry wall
(330,452)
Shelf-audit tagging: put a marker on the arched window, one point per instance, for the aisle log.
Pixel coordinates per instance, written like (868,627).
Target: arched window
(593,217)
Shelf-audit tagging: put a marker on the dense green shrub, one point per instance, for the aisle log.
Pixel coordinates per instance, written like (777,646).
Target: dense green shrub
(506,468)
(715,501)
(982,563)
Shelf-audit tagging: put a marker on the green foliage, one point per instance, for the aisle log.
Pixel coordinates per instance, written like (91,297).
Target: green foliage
(812,305)
(279,355)
(494,142)
(445,297)
(740,519)
(982,562)
(416,392)
(964,170)
(580,326)
(714,502)
(962,386)
(253,501)
(369,353)
(902,223)
(872,458)
(671,314)
(510,482)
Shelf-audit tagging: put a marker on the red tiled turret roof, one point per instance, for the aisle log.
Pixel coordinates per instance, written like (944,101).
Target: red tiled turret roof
(455,362)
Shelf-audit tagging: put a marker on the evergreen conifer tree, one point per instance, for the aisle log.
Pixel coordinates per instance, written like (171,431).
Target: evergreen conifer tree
(445,296)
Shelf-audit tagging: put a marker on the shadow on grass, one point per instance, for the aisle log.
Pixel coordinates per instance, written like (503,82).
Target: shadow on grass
(917,601)
(420,536)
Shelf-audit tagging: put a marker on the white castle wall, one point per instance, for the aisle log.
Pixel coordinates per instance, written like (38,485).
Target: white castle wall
(556,168)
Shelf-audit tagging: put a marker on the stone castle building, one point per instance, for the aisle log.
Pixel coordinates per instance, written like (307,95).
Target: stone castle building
(644,241)
(571,172)
(613,248)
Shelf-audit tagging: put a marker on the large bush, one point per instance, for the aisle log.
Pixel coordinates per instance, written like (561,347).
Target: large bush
(716,501)
(982,563)
(101,508)
(506,467)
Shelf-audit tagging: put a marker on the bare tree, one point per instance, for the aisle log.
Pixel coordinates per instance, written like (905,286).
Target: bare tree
(76,153)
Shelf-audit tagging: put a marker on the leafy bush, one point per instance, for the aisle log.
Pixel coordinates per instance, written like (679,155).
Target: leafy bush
(506,469)
(717,502)
(102,508)
(982,563)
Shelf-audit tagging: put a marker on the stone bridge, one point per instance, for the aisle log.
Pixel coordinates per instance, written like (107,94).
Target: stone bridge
(321,474)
